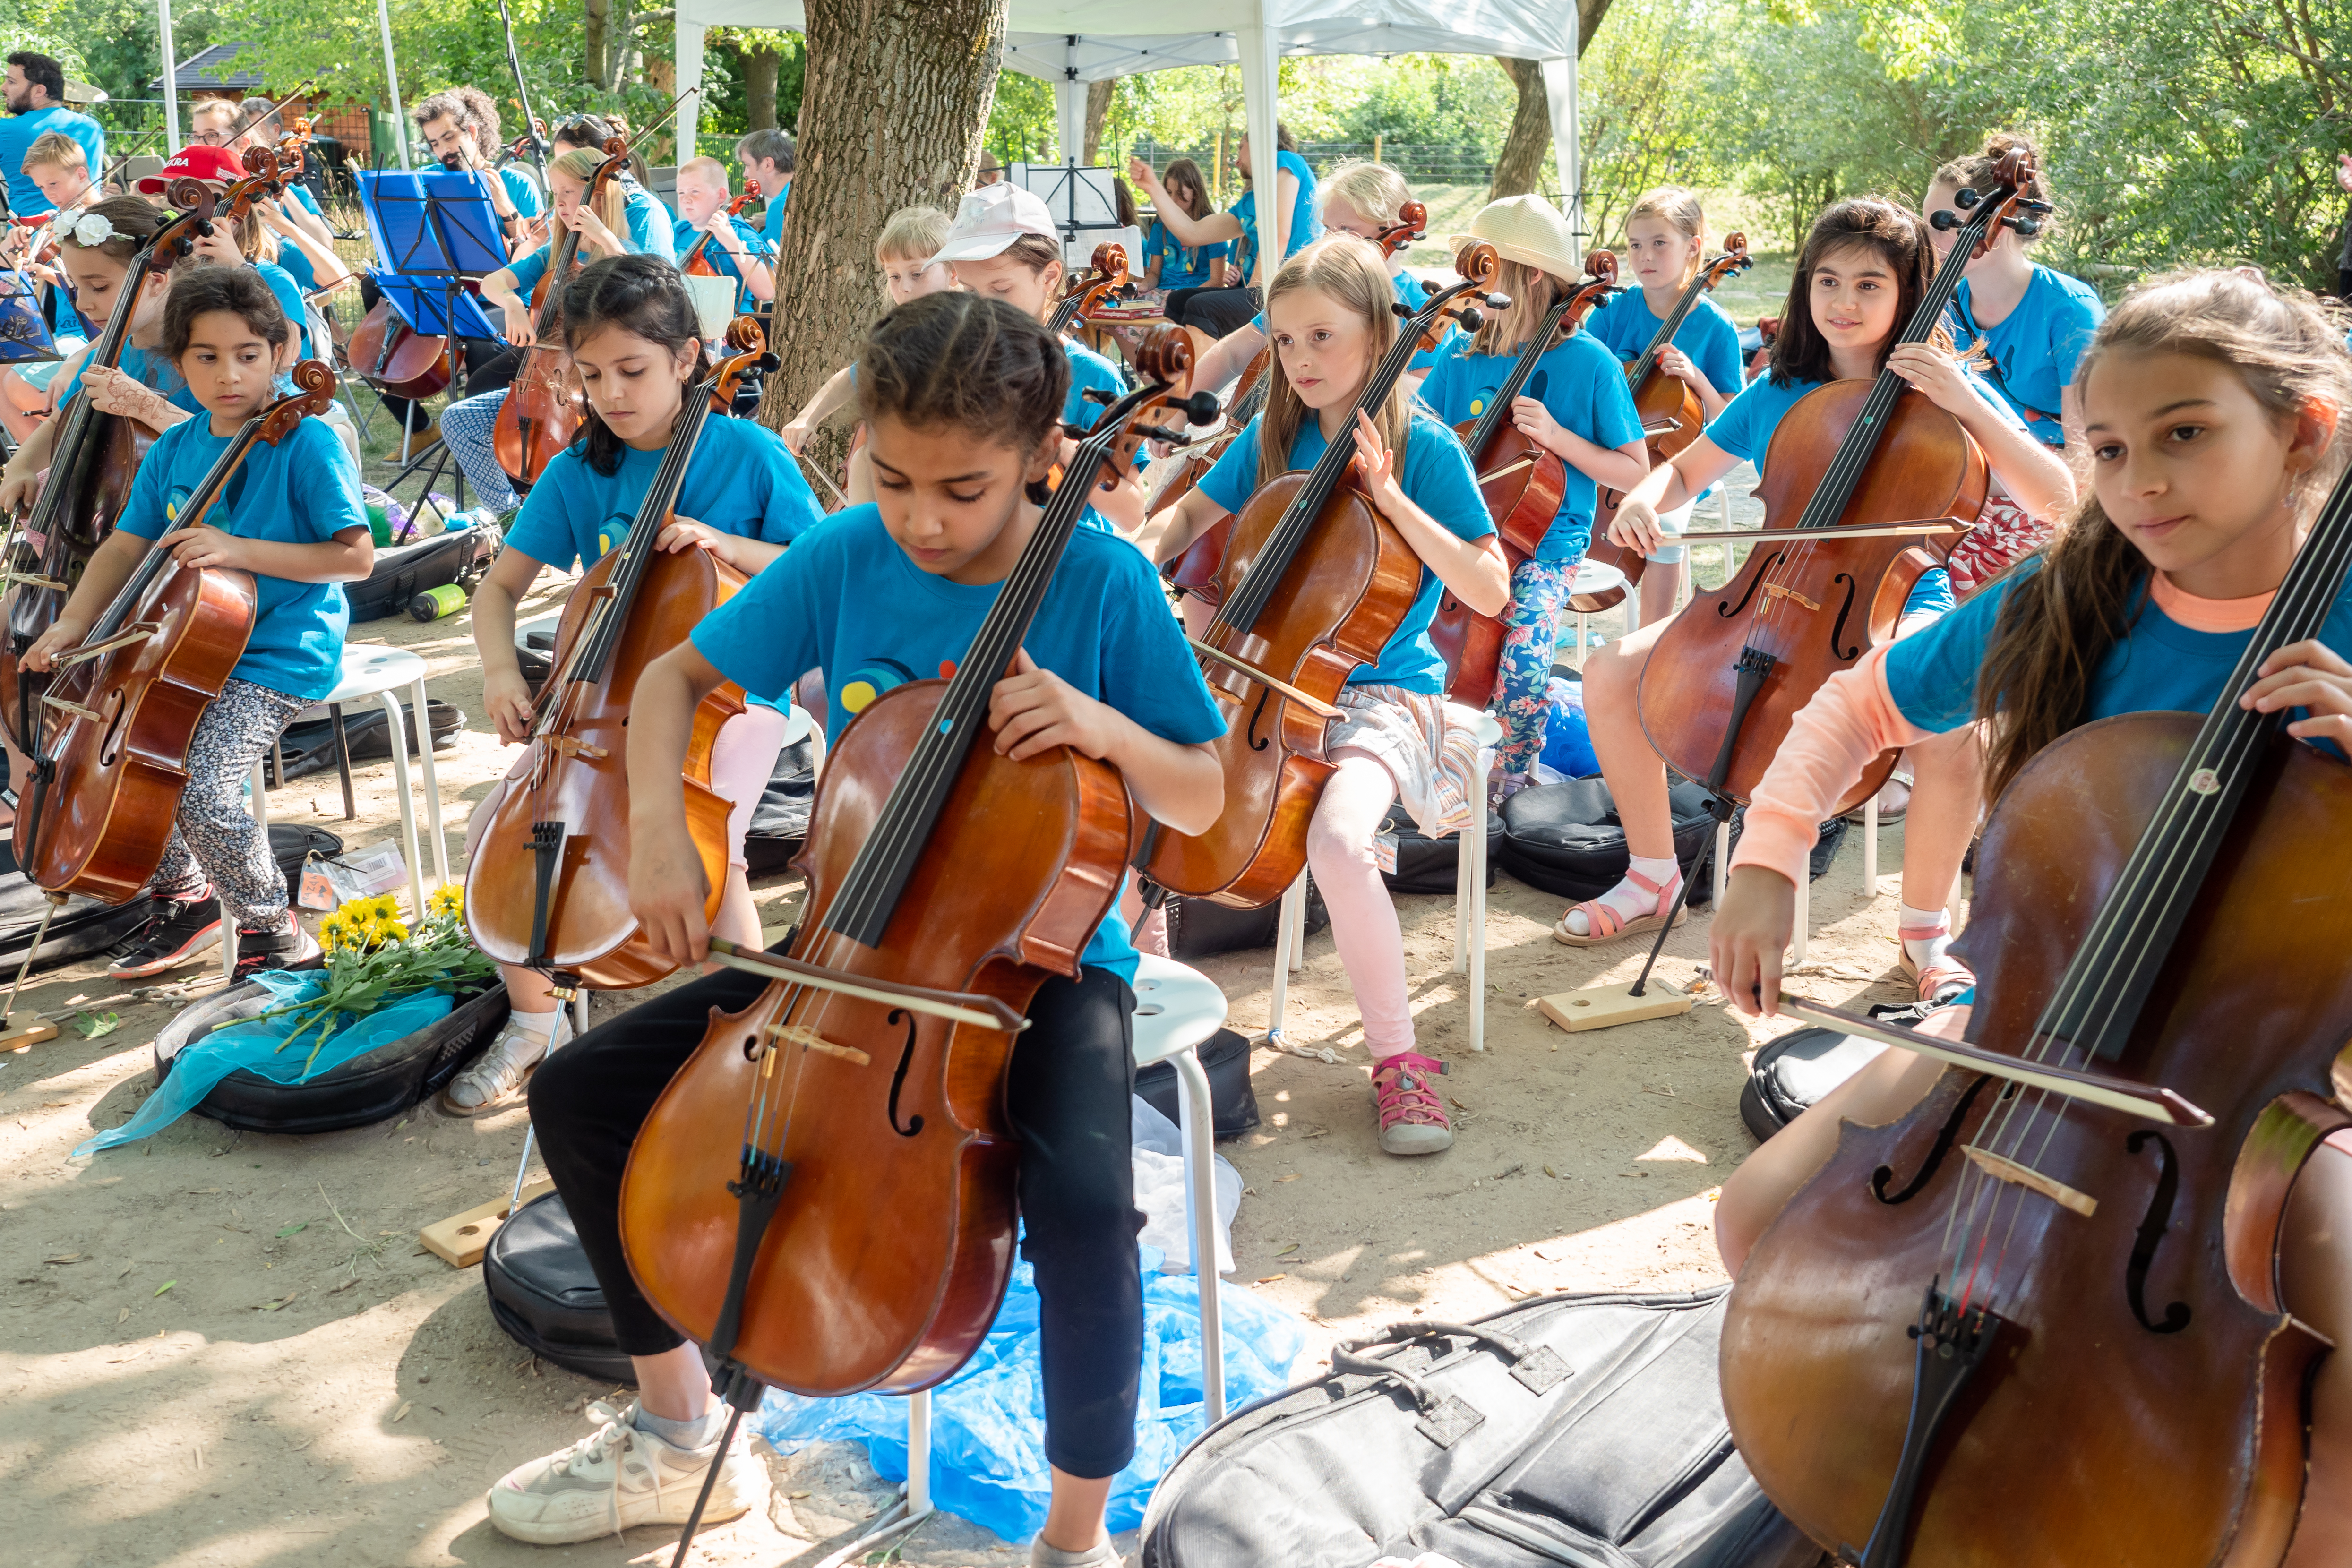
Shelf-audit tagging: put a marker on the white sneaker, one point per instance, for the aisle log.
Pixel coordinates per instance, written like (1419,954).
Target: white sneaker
(620,1477)
(495,1081)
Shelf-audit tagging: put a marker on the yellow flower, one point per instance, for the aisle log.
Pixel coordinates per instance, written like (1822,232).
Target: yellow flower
(384,907)
(449,898)
(390,930)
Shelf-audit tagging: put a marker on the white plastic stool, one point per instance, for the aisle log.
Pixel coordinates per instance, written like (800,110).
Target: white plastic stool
(1469,907)
(1177,1009)
(375,672)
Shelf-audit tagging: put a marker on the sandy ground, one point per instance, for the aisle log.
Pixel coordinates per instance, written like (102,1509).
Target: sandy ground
(228,1349)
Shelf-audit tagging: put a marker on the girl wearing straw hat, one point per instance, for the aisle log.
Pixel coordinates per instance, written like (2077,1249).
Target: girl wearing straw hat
(1575,405)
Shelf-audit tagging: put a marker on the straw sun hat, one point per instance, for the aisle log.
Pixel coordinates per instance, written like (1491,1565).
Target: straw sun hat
(1529,230)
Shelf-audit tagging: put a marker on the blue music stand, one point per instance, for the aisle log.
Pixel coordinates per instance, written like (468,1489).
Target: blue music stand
(436,230)
(433,310)
(25,336)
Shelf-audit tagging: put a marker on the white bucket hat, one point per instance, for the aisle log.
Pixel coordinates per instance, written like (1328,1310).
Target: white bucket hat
(1529,230)
(989,220)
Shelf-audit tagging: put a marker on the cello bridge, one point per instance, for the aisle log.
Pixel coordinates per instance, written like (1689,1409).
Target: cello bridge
(1775,590)
(2069,1198)
(808,1039)
(566,746)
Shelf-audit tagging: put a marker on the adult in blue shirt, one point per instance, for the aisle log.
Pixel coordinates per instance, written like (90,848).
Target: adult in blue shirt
(1218,311)
(769,159)
(460,127)
(35,93)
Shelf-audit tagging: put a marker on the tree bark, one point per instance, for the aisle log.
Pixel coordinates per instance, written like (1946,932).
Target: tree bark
(1518,167)
(759,62)
(595,43)
(1098,116)
(895,97)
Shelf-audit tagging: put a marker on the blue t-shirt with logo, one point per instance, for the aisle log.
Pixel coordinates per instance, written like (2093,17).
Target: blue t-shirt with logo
(1306,225)
(2157,665)
(2034,347)
(1435,476)
(1581,384)
(17,135)
(684,235)
(1744,429)
(305,490)
(1180,267)
(1625,324)
(743,481)
(846,600)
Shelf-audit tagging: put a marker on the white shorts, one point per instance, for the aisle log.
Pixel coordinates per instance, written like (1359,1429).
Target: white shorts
(1674,523)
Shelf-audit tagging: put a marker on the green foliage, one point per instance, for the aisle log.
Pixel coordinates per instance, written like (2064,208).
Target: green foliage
(1023,127)
(1646,115)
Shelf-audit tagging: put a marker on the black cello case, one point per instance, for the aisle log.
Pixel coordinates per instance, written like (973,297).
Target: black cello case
(1579,1429)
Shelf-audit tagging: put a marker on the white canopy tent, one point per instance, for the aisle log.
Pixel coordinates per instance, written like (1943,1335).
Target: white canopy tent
(1073,42)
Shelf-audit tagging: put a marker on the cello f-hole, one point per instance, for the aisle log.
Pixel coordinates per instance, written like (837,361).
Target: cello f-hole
(899,1078)
(1945,1136)
(1728,612)
(1837,632)
(1256,741)
(2151,1234)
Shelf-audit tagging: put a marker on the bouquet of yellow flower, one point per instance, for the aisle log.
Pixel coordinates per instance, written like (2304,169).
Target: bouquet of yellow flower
(373,958)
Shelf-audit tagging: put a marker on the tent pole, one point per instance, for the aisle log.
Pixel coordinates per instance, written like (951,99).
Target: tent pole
(1261,52)
(1559,91)
(392,85)
(171,78)
(689,74)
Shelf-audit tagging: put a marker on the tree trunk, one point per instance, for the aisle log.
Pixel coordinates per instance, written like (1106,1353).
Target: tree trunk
(595,44)
(618,44)
(895,97)
(1518,167)
(759,61)
(1098,116)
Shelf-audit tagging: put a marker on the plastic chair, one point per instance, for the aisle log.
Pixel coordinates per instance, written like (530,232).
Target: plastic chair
(1469,908)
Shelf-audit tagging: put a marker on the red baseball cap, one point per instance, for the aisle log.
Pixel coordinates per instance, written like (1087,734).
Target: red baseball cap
(197,161)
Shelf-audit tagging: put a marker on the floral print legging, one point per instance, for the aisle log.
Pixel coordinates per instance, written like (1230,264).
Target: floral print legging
(1539,590)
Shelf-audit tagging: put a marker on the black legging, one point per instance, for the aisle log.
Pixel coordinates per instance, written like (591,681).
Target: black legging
(1067,1093)
(1216,311)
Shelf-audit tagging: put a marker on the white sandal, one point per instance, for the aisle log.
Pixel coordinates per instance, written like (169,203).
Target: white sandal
(497,1077)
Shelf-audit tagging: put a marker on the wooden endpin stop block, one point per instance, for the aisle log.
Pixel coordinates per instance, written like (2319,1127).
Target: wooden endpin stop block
(1601,1007)
(17,1037)
(462,1238)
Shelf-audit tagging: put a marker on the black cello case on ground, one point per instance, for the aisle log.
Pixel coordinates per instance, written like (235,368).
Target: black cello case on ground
(1578,1429)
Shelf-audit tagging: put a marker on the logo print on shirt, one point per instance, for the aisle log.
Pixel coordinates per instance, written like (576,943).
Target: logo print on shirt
(870,681)
(611,532)
(173,502)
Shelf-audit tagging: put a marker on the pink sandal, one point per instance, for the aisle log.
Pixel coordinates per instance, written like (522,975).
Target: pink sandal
(1412,1117)
(1937,982)
(1608,925)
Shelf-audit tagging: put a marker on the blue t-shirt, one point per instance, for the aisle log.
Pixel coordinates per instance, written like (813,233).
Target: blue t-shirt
(1180,267)
(151,371)
(1435,475)
(683,235)
(771,221)
(1088,368)
(2158,664)
(1580,383)
(844,598)
(17,135)
(304,490)
(1625,325)
(650,225)
(1305,226)
(290,299)
(528,269)
(1744,427)
(520,191)
(2034,347)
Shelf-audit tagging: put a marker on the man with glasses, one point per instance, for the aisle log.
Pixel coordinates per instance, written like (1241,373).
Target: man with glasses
(34,92)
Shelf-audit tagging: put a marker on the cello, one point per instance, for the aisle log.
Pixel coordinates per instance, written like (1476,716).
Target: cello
(2081,1216)
(542,411)
(1313,582)
(93,460)
(1195,571)
(1521,480)
(1729,673)
(126,702)
(859,1234)
(548,889)
(1665,403)
(698,266)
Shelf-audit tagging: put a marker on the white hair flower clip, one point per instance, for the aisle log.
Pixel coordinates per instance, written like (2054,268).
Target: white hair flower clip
(92,229)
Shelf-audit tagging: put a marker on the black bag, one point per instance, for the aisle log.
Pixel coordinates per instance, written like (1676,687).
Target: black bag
(370,1087)
(309,747)
(1434,865)
(545,1296)
(1566,838)
(402,571)
(1232,1104)
(1574,1429)
(1198,927)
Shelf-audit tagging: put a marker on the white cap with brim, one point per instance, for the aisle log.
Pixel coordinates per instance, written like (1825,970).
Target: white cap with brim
(1529,230)
(989,220)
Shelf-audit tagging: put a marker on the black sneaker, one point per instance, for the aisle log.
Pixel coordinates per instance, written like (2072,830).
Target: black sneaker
(183,929)
(289,948)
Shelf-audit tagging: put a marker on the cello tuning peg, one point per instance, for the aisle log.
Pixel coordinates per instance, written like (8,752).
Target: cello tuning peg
(1966,197)
(1161,433)
(2026,227)
(1499,302)
(1101,395)
(1400,308)
(1470,318)
(1199,408)
(1943,219)
(768,363)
